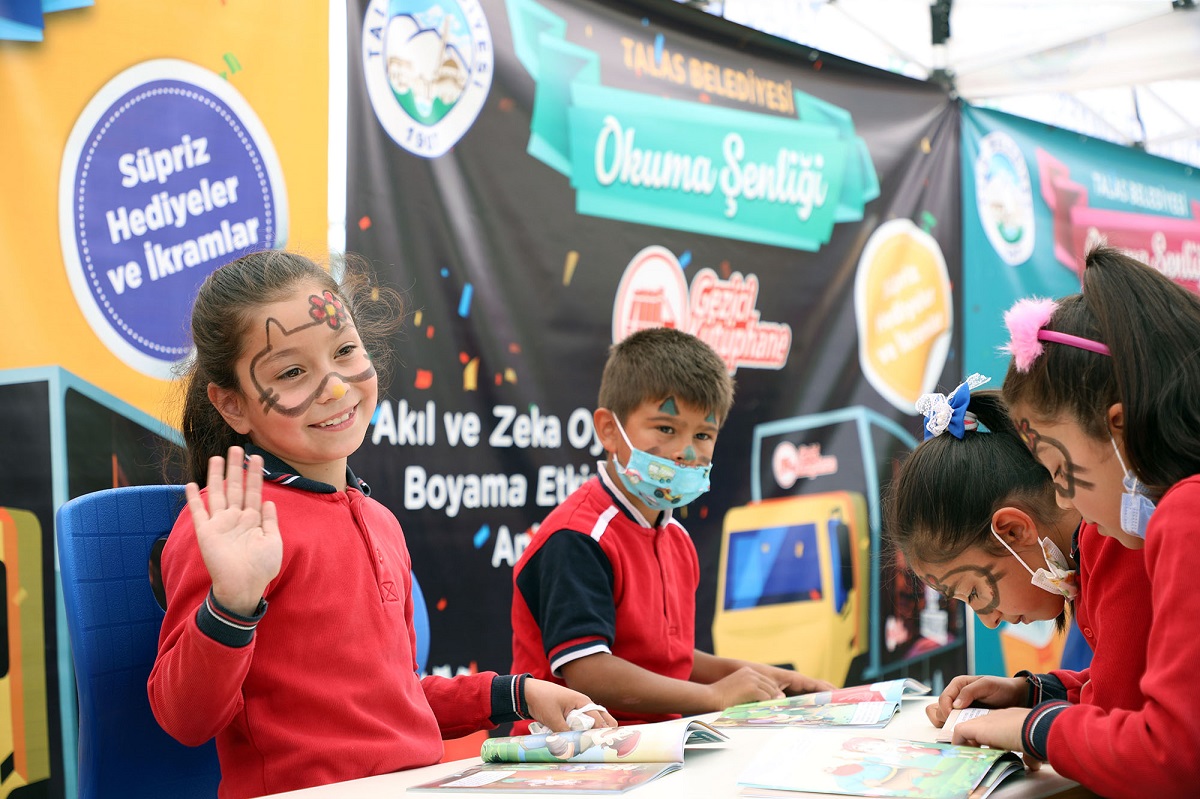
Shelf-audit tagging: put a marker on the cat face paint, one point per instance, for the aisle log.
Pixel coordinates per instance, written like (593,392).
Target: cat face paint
(326,310)
(309,387)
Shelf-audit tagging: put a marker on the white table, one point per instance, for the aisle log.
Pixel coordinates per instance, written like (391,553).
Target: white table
(708,772)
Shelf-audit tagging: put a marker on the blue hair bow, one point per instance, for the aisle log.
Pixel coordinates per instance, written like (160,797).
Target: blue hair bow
(944,413)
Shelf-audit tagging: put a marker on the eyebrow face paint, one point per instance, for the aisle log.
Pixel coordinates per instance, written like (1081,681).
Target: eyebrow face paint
(668,406)
(711,418)
(1066,478)
(990,578)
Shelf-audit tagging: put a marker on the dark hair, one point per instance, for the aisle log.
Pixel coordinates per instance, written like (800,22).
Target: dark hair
(1152,328)
(220,317)
(661,362)
(941,501)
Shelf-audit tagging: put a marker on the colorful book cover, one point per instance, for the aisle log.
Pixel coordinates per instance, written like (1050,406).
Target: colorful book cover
(857,765)
(551,777)
(635,743)
(871,705)
(605,760)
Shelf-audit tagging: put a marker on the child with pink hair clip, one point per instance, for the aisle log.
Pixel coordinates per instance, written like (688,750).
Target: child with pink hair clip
(1104,388)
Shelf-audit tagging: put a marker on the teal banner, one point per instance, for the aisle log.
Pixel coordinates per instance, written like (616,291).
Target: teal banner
(636,157)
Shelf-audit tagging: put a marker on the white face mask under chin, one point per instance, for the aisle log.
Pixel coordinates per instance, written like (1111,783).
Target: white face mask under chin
(1057,577)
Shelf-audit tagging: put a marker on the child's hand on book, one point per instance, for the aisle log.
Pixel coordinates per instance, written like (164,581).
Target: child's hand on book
(794,683)
(966,690)
(550,705)
(1000,729)
(237,532)
(747,684)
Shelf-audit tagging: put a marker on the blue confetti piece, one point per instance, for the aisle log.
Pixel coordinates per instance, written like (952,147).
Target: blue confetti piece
(445,272)
(375,416)
(482,535)
(464,302)
(658,48)
(685,260)
(645,22)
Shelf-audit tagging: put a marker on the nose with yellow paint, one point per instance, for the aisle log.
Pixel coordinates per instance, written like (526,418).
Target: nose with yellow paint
(338,390)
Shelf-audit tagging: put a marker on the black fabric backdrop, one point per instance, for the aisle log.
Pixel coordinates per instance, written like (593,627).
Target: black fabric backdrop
(488,214)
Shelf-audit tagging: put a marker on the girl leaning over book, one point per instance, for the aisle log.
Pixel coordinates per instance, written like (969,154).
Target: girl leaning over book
(976,516)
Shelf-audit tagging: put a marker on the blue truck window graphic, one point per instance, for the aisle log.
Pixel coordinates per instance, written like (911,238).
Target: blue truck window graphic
(841,554)
(773,566)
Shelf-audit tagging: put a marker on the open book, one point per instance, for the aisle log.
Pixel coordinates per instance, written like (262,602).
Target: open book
(871,705)
(857,765)
(607,760)
(946,733)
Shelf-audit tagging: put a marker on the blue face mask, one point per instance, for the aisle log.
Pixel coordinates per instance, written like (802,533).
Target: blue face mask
(659,483)
(1136,505)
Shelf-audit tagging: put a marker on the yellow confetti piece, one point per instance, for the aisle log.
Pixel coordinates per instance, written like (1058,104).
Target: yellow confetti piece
(471,375)
(19,596)
(926,147)
(569,268)
(510,375)
(417,319)
(587,31)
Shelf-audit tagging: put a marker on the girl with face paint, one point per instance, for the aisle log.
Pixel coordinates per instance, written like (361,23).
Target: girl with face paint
(323,687)
(1103,389)
(974,515)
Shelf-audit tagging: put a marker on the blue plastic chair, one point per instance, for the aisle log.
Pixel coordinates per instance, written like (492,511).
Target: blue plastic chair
(113,619)
(420,624)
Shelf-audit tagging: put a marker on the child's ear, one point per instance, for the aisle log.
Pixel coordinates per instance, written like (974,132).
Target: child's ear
(1015,526)
(1116,418)
(231,405)
(605,424)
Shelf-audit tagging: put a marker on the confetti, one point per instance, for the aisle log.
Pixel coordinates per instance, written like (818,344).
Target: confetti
(441,604)
(481,536)
(375,416)
(686,259)
(514,348)
(926,147)
(569,267)
(429,332)
(471,375)
(725,269)
(417,318)
(499,378)
(231,61)
(658,48)
(464,302)
(364,223)
(510,375)
(506,104)
(445,272)
(424,379)
(463,357)
(704,98)
(703,511)
(587,31)
(928,221)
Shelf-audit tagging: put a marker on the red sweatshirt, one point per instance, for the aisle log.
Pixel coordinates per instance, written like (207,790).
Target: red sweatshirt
(1152,750)
(325,689)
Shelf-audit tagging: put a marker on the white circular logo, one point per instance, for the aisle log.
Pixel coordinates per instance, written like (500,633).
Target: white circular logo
(652,293)
(1004,198)
(428,68)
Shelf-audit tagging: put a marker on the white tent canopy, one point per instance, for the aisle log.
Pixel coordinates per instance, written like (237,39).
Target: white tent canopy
(1123,70)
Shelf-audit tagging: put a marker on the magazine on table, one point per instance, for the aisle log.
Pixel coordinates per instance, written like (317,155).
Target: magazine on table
(872,705)
(848,764)
(599,760)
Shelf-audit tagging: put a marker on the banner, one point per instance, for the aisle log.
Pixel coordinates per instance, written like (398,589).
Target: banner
(543,178)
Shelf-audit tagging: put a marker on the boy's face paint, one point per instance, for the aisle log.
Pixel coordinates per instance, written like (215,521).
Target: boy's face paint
(309,387)
(1086,473)
(669,407)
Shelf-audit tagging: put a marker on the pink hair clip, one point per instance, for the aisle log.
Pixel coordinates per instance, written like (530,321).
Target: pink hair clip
(1025,322)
